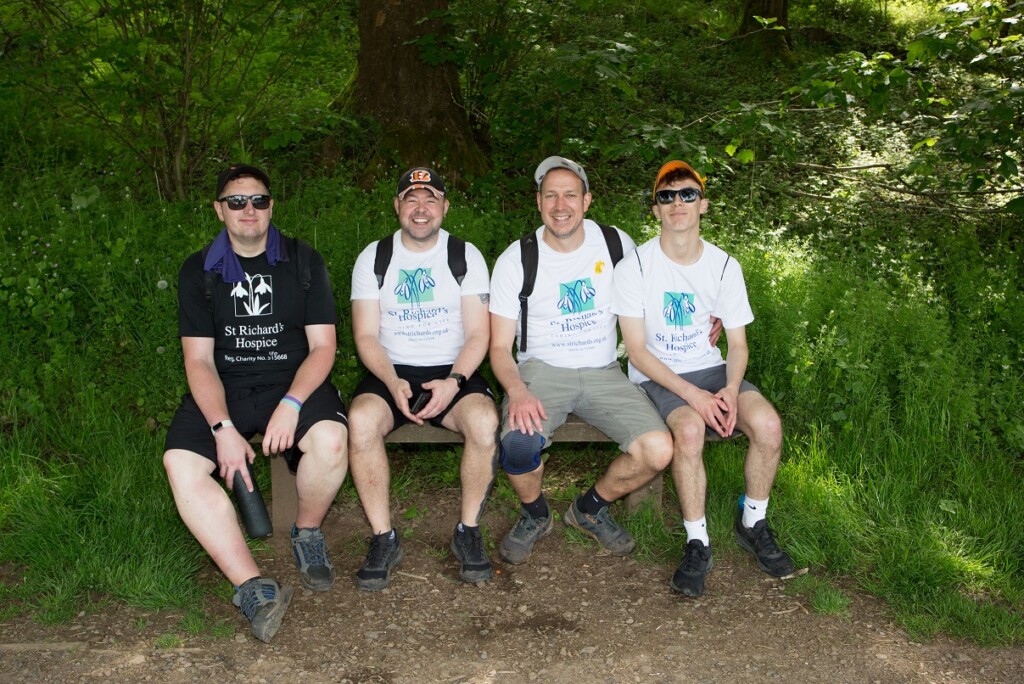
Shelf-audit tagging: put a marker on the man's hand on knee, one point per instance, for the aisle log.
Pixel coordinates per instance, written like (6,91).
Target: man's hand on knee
(280,433)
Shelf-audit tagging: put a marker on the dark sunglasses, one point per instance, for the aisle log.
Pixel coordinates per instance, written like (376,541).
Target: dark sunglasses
(688,195)
(238,202)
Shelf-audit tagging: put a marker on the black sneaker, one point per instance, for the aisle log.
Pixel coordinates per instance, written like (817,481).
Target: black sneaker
(517,545)
(316,572)
(602,527)
(468,547)
(689,576)
(263,603)
(759,541)
(384,555)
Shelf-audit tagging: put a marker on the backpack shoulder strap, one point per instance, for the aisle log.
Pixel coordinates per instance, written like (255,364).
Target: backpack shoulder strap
(303,256)
(722,277)
(530,254)
(208,278)
(457,258)
(385,248)
(614,242)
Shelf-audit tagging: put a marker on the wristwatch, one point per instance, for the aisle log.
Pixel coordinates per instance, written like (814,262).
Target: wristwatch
(460,379)
(221,424)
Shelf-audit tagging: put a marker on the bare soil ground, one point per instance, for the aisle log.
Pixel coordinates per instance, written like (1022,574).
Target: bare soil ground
(571,614)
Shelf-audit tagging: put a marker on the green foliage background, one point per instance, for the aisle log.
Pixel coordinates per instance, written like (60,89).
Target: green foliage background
(870,194)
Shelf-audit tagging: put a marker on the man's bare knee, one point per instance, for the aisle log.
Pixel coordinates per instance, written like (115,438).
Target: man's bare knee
(369,420)
(688,431)
(653,449)
(327,442)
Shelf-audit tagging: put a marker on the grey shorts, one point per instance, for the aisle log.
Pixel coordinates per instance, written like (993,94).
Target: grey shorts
(604,397)
(709,379)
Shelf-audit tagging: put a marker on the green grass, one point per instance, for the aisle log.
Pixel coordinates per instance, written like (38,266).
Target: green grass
(889,336)
(822,595)
(892,473)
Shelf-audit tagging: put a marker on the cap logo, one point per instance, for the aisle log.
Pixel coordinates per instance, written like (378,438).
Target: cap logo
(419,176)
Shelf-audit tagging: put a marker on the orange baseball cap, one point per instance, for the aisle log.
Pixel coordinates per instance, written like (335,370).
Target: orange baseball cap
(677,165)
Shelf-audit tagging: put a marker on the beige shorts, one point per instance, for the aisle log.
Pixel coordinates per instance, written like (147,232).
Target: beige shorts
(603,397)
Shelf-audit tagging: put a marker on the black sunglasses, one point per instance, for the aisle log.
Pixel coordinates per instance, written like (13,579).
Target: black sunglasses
(238,202)
(688,195)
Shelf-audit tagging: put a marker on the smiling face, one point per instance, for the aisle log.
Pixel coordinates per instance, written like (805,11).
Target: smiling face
(247,227)
(680,217)
(420,214)
(562,204)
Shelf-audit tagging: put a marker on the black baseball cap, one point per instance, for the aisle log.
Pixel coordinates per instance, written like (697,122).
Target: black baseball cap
(239,171)
(420,177)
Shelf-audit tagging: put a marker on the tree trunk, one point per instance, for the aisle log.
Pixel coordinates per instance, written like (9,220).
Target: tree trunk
(418,105)
(766,42)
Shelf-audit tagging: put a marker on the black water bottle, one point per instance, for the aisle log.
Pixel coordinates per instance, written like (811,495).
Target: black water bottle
(251,505)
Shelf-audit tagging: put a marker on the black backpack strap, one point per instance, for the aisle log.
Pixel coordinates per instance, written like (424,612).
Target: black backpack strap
(385,248)
(530,253)
(614,242)
(722,277)
(208,278)
(457,258)
(303,256)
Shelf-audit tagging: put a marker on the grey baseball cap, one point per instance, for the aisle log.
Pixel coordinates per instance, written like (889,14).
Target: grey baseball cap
(552,163)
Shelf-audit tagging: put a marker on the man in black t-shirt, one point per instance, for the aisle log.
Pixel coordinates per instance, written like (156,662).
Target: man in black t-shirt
(257,320)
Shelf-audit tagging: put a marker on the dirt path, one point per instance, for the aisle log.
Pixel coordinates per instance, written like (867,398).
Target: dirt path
(569,615)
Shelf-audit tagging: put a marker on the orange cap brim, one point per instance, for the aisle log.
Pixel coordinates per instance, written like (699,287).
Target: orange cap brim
(677,166)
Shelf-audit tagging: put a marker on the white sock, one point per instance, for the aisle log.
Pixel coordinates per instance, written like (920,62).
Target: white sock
(754,511)
(697,529)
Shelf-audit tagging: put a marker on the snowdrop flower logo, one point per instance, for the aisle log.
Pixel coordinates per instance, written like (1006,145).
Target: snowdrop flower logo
(247,296)
(576,297)
(678,309)
(415,287)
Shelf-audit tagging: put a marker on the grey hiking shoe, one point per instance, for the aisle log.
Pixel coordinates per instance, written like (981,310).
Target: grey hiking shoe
(468,547)
(263,603)
(602,527)
(759,541)
(689,576)
(517,545)
(315,569)
(384,555)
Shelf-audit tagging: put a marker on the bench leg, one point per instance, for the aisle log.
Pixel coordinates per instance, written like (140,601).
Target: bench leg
(650,492)
(284,500)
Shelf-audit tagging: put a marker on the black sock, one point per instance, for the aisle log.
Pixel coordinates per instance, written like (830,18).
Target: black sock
(591,503)
(537,509)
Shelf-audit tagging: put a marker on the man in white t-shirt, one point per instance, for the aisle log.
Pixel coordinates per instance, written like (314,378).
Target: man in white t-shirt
(568,365)
(665,293)
(419,316)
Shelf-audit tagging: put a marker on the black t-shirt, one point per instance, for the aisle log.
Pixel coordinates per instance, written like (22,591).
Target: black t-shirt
(258,325)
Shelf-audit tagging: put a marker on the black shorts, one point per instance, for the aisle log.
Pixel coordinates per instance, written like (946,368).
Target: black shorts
(250,409)
(417,375)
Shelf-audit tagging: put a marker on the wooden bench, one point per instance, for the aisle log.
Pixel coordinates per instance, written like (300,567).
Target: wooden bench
(575,430)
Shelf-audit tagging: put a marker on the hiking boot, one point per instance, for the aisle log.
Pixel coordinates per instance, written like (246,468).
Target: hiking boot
(602,527)
(315,569)
(760,541)
(384,555)
(517,545)
(468,547)
(696,564)
(263,603)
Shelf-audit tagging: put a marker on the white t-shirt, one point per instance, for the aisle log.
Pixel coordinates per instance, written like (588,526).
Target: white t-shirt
(571,324)
(420,301)
(677,302)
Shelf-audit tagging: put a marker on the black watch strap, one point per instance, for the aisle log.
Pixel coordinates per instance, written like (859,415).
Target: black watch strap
(460,379)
